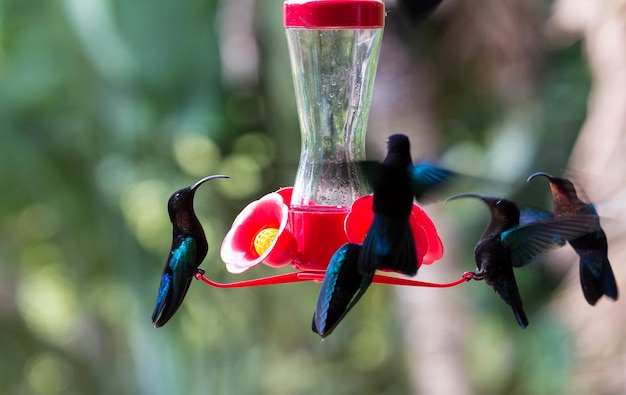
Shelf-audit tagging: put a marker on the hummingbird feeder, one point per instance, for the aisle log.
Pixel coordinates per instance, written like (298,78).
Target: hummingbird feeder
(333,48)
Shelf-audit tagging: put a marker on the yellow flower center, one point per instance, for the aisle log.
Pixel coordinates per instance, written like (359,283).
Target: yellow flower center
(264,239)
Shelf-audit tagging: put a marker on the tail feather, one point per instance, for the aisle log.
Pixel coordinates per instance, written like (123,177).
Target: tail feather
(508,291)
(389,245)
(169,299)
(162,299)
(341,289)
(520,315)
(597,279)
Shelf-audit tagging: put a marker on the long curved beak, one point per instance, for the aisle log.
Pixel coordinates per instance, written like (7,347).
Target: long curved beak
(539,173)
(490,201)
(464,195)
(205,179)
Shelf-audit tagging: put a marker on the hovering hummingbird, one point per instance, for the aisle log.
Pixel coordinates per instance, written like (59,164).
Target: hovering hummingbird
(341,289)
(389,243)
(189,247)
(596,275)
(505,244)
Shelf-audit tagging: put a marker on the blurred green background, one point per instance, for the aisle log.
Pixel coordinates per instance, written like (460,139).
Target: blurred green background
(107,107)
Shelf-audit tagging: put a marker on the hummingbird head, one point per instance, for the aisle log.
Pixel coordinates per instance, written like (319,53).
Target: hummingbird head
(180,204)
(563,192)
(398,143)
(503,211)
(557,185)
(398,151)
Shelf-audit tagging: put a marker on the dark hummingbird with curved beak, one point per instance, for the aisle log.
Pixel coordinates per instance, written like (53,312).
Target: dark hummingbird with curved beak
(505,244)
(596,275)
(389,243)
(341,289)
(189,247)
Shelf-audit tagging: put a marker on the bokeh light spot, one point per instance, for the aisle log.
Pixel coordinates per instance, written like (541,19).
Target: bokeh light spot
(245,176)
(196,154)
(466,155)
(40,255)
(47,374)
(145,207)
(114,174)
(258,146)
(48,302)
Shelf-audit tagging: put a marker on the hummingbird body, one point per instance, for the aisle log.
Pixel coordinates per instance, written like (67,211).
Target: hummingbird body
(341,289)
(506,244)
(188,250)
(596,275)
(493,257)
(389,243)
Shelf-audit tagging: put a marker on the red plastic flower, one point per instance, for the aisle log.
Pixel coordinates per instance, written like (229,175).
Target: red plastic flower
(428,245)
(259,235)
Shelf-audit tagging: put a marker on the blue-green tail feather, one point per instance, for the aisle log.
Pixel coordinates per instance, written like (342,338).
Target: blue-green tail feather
(341,289)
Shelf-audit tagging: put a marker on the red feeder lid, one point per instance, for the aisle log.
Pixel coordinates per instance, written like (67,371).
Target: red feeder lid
(334,14)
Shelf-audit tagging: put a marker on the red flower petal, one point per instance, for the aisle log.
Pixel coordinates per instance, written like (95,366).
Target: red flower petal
(359,219)
(238,250)
(286,193)
(435,246)
(428,245)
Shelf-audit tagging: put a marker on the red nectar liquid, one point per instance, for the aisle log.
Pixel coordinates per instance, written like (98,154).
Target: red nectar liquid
(319,232)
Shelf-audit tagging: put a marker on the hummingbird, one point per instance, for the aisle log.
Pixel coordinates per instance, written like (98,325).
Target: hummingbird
(389,243)
(341,289)
(189,247)
(505,244)
(596,275)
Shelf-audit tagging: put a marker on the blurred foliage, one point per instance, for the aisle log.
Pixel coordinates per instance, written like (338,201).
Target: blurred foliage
(106,107)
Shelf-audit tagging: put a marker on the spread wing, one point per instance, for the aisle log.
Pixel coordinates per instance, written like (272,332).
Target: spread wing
(528,241)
